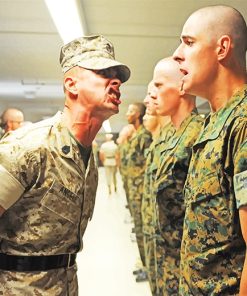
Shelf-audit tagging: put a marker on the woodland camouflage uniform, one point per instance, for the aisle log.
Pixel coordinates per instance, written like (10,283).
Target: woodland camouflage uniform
(213,249)
(170,179)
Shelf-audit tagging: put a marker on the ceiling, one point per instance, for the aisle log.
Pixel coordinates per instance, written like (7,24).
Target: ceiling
(142,31)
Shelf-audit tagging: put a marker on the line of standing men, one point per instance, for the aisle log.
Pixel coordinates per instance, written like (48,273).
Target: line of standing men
(193,201)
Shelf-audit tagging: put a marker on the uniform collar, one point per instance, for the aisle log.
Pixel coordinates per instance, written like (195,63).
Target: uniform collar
(218,119)
(178,134)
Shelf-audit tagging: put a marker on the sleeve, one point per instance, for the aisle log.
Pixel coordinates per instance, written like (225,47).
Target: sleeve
(18,169)
(11,189)
(240,175)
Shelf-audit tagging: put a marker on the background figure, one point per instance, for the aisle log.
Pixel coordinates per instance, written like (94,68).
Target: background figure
(11,119)
(161,132)
(172,170)
(48,175)
(139,142)
(123,148)
(109,157)
(152,124)
(212,56)
(95,148)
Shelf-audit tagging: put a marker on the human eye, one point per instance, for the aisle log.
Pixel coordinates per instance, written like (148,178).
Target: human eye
(189,42)
(157,85)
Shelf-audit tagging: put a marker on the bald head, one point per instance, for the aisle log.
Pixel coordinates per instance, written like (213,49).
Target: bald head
(168,68)
(220,20)
(148,100)
(169,97)
(12,118)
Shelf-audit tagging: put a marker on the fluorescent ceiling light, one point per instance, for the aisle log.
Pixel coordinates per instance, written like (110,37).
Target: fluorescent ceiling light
(107,126)
(65,15)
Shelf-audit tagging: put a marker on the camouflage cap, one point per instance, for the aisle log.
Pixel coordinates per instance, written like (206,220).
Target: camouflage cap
(91,52)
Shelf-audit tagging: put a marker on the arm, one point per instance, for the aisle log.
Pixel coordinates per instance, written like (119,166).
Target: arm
(101,157)
(240,190)
(243,223)
(117,157)
(17,171)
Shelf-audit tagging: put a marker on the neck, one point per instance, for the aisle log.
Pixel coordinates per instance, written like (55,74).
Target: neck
(183,111)
(223,88)
(164,120)
(156,132)
(82,125)
(137,124)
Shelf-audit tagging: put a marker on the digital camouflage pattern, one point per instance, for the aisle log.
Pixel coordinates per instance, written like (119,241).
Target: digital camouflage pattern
(56,282)
(213,249)
(139,142)
(123,168)
(93,52)
(169,183)
(148,209)
(51,214)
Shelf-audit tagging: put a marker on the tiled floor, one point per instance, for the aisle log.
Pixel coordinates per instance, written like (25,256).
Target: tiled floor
(106,263)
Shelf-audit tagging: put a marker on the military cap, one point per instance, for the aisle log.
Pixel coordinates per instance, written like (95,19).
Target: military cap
(91,52)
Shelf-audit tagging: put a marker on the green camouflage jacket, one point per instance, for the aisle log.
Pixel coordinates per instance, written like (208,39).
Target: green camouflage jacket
(170,178)
(139,142)
(149,196)
(213,249)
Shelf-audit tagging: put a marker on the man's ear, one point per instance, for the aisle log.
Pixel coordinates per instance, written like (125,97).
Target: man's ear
(70,85)
(224,45)
(9,124)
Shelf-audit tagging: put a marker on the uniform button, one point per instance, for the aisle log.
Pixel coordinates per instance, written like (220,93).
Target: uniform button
(66,149)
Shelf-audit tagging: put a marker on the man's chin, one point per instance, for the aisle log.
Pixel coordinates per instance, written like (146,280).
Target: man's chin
(148,112)
(114,110)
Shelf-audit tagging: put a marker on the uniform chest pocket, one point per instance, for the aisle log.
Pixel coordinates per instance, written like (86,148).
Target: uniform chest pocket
(203,191)
(210,213)
(63,202)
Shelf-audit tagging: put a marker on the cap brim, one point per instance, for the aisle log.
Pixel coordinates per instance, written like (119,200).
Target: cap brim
(100,63)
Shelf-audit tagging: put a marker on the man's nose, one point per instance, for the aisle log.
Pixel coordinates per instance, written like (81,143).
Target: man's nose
(116,82)
(177,55)
(153,94)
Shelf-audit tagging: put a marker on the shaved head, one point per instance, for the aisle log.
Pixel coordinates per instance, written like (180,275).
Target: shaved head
(170,69)
(12,118)
(169,97)
(221,20)
(148,100)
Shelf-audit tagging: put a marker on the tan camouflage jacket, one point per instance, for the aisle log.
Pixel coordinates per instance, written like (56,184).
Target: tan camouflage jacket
(48,193)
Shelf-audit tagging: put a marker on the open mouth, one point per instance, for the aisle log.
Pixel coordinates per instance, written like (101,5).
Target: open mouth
(114,97)
(184,72)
